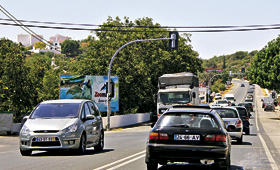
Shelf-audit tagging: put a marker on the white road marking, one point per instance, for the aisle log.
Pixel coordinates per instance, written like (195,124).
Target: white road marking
(127,162)
(105,166)
(267,152)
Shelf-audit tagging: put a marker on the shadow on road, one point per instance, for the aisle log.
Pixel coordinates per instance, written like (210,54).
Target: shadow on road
(68,153)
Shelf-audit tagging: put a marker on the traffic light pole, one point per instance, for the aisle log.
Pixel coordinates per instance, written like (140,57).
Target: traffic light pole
(173,38)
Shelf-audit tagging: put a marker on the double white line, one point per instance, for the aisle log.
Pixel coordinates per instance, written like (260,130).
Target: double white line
(121,160)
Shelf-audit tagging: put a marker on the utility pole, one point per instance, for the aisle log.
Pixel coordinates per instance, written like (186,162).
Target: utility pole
(173,44)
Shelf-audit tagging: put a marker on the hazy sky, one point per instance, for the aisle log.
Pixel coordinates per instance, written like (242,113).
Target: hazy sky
(164,12)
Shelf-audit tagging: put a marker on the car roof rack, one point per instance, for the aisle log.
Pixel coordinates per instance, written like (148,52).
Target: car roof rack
(202,106)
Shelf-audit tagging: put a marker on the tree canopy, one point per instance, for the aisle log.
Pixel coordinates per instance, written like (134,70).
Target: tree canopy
(140,64)
(265,68)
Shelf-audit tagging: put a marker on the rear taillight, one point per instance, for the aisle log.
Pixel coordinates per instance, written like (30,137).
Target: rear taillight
(215,138)
(247,118)
(160,136)
(238,123)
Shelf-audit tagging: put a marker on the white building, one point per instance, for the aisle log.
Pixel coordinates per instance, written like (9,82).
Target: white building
(27,39)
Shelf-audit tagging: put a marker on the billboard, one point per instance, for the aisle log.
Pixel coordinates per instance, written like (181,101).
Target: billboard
(89,87)
(214,69)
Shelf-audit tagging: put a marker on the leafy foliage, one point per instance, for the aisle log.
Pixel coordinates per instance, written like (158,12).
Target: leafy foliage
(265,69)
(138,65)
(70,48)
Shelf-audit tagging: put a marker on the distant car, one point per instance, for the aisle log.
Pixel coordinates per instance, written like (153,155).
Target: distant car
(242,85)
(223,103)
(232,121)
(250,91)
(191,134)
(218,96)
(244,115)
(269,106)
(251,106)
(67,124)
(249,98)
(246,105)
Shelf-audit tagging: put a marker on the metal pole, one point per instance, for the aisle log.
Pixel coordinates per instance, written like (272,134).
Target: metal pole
(109,74)
(209,85)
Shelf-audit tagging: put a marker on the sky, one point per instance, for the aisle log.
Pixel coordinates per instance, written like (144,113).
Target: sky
(183,13)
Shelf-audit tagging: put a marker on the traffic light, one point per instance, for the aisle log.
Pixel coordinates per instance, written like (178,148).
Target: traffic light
(112,89)
(173,42)
(273,95)
(242,69)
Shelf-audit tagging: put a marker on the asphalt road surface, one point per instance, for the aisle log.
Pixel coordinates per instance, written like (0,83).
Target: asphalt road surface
(125,148)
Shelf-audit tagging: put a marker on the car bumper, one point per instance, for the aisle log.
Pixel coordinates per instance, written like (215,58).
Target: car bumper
(61,141)
(235,135)
(184,153)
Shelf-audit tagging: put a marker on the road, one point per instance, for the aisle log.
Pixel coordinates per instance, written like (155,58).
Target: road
(125,148)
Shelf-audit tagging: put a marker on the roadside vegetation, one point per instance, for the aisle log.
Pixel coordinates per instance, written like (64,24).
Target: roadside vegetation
(27,79)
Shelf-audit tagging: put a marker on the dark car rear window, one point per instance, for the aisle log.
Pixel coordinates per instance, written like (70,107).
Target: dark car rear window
(242,112)
(189,120)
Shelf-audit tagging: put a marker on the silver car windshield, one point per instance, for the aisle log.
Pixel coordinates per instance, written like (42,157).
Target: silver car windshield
(56,110)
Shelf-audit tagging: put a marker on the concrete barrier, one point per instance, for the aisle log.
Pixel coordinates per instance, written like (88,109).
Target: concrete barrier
(126,120)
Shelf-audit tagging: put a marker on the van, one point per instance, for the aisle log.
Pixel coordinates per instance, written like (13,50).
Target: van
(230,97)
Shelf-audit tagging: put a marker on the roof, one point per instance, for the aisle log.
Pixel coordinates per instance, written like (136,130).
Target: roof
(190,109)
(65,101)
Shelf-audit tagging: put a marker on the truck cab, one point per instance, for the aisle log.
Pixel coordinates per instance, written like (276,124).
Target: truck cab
(177,89)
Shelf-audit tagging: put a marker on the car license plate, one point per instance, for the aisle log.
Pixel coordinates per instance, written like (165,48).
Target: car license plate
(44,139)
(187,137)
(226,123)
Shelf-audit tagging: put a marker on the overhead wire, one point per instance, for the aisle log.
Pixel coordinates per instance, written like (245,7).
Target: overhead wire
(139,26)
(29,31)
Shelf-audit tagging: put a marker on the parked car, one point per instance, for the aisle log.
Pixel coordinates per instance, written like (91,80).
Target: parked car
(269,106)
(62,124)
(242,85)
(244,115)
(232,121)
(192,134)
(218,96)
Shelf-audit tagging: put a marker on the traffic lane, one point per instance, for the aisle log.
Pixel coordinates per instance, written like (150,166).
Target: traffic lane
(118,145)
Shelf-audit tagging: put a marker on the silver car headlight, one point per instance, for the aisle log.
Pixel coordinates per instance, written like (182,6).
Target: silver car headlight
(71,128)
(25,130)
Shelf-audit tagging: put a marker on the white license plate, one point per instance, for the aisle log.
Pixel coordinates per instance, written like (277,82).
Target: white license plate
(187,137)
(44,139)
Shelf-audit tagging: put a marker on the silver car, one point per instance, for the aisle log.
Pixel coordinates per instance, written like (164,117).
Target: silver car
(232,122)
(62,124)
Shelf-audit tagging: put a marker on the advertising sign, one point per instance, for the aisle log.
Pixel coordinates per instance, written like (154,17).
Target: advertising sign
(214,69)
(89,87)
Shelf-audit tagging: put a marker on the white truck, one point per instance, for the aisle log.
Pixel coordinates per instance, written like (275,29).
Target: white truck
(178,88)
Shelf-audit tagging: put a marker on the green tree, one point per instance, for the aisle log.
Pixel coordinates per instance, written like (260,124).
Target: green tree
(14,84)
(40,45)
(140,64)
(265,68)
(70,48)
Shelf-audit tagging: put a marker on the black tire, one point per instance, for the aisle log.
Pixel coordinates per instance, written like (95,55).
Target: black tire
(100,145)
(82,148)
(26,152)
(240,140)
(225,165)
(152,167)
